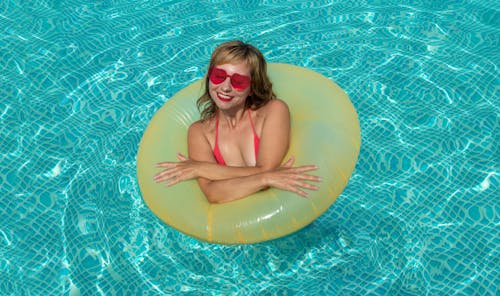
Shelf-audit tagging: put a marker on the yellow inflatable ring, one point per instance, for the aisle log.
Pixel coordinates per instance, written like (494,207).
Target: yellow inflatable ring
(325,132)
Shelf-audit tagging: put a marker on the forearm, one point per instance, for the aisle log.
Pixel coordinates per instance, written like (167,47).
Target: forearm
(221,191)
(293,179)
(214,172)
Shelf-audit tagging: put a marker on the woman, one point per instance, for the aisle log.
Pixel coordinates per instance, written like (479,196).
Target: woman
(237,147)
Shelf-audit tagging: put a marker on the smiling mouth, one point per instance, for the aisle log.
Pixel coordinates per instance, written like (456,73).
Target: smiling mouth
(224,98)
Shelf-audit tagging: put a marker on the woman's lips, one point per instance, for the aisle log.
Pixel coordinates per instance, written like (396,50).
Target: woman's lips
(224,98)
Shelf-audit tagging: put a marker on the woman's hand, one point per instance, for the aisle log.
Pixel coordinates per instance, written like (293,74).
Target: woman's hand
(176,172)
(285,177)
(292,178)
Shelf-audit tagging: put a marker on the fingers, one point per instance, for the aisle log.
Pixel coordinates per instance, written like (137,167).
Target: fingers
(173,182)
(300,192)
(289,162)
(165,175)
(299,173)
(294,180)
(298,186)
(309,186)
(181,157)
(175,172)
(305,185)
(166,164)
(171,178)
(308,178)
(172,170)
(305,168)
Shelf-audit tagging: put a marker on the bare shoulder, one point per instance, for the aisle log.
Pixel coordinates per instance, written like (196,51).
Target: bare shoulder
(196,128)
(275,106)
(274,111)
(199,147)
(202,129)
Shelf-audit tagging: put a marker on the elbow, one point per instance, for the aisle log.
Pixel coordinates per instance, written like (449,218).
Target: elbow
(212,196)
(217,195)
(212,199)
(216,199)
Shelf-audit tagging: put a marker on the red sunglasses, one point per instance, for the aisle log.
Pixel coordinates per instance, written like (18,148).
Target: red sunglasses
(238,81)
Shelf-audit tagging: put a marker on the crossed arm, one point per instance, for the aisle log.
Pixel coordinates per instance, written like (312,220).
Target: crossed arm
(226,183)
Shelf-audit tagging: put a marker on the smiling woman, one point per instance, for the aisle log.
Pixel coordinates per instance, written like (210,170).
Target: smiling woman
(324,129)
(237,148)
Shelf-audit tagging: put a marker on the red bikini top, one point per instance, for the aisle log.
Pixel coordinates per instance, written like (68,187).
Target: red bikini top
(218,155)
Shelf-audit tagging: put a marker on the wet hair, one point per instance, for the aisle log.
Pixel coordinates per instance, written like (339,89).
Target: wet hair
(237,52)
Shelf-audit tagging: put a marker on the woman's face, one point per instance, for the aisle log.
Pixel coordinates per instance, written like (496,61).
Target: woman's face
(229,85)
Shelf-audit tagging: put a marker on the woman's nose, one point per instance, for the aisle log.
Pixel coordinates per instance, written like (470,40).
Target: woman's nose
(226,85)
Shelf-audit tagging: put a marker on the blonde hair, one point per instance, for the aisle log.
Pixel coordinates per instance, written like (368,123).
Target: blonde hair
(236,52)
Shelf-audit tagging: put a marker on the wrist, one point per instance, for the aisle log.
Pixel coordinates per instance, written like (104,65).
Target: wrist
(265,180)
(198,169)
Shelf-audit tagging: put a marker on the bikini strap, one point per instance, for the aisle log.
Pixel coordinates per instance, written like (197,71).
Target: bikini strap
(218,156)
(251,122)
(216,130)
(256,140)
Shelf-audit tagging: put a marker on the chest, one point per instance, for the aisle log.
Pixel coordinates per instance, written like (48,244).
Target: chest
(237,146)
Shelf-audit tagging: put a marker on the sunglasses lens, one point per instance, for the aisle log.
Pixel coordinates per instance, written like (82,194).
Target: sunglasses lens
(240,81)
(218,76)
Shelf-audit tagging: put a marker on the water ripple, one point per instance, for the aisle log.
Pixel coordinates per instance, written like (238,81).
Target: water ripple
(80,81)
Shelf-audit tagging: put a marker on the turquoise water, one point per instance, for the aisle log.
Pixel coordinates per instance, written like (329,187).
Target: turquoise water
(80,81)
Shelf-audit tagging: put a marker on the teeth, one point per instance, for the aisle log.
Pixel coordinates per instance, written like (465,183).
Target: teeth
(224,96)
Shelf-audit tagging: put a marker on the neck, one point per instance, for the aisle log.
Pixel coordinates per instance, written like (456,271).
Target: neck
(232,117)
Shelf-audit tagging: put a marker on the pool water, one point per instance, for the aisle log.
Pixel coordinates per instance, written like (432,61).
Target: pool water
(80,81)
